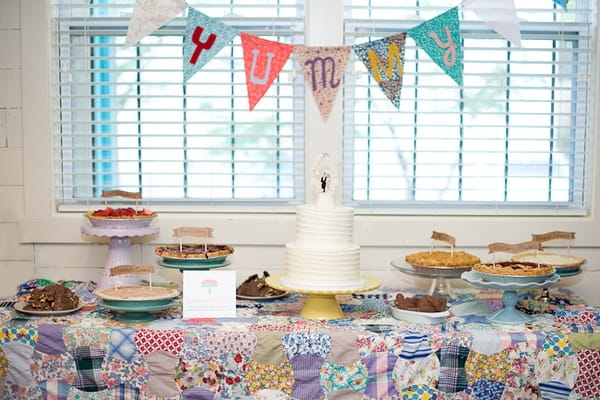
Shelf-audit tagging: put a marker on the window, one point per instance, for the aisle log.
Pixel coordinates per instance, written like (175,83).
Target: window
(515,138)
(126,119)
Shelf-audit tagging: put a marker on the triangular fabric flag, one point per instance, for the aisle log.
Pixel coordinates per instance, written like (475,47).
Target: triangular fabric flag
(562,3)
(499,15)
(385,55)
(441,40)
(263,60)
(204,38)
(149,15)
(324,69)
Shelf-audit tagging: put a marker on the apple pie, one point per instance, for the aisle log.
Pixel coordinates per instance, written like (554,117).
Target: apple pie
(442,259)
(187,251)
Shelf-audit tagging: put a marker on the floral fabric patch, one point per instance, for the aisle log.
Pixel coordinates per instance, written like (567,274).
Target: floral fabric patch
(261,376)
(335,377)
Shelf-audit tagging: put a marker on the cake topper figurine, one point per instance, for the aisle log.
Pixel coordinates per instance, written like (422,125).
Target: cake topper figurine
(325,183)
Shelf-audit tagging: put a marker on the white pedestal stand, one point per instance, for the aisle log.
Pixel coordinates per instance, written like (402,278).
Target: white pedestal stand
(119,252)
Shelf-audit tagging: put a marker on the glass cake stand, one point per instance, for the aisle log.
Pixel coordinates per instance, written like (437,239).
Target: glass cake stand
(322,304)
(440,276)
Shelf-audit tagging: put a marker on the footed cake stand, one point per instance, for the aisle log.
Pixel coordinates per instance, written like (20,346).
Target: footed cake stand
(509,314)
(119,251)
(321,303)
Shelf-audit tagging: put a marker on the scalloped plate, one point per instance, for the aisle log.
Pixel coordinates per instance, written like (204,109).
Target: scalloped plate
(20,307)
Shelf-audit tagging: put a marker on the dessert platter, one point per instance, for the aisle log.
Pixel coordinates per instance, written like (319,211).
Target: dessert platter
(119,224)
(511,276)
(564,265)
(194,256)
(49,301)
(136,303)
(424,309)
(255,288)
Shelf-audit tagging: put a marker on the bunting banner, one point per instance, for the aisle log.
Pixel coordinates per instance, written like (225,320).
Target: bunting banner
(204,38)
(441,40)
(263,60)
(324,69)
(385,54)
(500,16)
(149,15)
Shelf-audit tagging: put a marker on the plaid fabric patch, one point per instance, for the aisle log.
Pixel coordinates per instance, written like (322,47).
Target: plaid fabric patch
(89,369)
(121,344)
(380,382)
(125,392)
(453,377)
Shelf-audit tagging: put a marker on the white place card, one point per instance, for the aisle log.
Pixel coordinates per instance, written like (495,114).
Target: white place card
(209,294)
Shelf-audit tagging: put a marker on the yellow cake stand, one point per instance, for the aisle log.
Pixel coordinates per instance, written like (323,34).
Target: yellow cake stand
(322,304)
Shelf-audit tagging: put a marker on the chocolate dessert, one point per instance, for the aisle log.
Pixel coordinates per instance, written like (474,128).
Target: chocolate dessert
(52,298)
(424,303)
(255,286)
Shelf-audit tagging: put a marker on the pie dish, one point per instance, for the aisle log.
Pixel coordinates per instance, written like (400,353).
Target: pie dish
(442,259)
(514,271)
(418,317)
(120,220)
(194,252)
(560,262)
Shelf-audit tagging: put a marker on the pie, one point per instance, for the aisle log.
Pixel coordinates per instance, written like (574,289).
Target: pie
(187,251)
(514,268)
(556,260)
(138,293)
(442,259)
(122,212)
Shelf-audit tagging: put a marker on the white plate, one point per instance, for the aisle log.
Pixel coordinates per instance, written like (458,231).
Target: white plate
(20,307)
(261,298)
(430,318)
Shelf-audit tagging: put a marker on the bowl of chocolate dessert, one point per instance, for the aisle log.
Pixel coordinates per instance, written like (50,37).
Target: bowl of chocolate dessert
(514,272)
(120,217)
(194,253)
(137,296)
(420,309)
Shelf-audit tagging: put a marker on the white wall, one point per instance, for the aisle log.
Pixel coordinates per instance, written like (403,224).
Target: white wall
(35,241)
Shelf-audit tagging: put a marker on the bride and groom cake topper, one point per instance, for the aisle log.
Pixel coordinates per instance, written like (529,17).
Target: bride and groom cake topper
(326,179)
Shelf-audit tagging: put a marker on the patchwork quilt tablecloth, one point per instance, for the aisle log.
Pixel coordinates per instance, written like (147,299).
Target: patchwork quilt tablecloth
(269,352)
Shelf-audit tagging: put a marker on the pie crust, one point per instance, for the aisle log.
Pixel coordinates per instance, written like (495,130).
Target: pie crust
(557,260)
(90,214)
(442,259)
(138,293)
(187,251)
(514,268)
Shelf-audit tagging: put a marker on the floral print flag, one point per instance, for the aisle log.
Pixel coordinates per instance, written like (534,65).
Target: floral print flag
(384,58)
(441,40)
(149,15)
(204,38)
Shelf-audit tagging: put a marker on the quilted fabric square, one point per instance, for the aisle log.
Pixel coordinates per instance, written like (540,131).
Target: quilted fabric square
(82,336)
(295,344)
(420,371)
(223,341)
(18,356)
(122,344)
(25,335)
(126,392)
(194,345)
(261,376)
(118,373)
(589,370)
(336,377)
(197,394)
(417,392)
(50,340)
(55,389)
(88,361)
(493,367)
(306,369)
(233,381)
(168,340)
(48,366)
(380,383)
(343,348)
(554,391)
(415,345)
(489,390)
(203,372)
(452,357)
(268,349)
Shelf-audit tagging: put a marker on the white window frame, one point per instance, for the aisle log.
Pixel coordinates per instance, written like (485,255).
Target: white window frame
(41,223)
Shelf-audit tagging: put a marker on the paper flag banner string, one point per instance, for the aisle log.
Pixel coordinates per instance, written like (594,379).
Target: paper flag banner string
(554,235)
(499,15)
(149,15)
(204,38)
(121,193)
(263,61)
(440,38)
(384,58)
(182,231)
(132,269)
(324,69)
(443,237)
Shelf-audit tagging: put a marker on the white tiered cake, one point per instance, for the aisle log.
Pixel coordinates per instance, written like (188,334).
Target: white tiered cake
(324,256)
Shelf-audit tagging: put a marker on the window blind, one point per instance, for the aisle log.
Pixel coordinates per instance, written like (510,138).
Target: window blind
(515,138)
(124,118)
